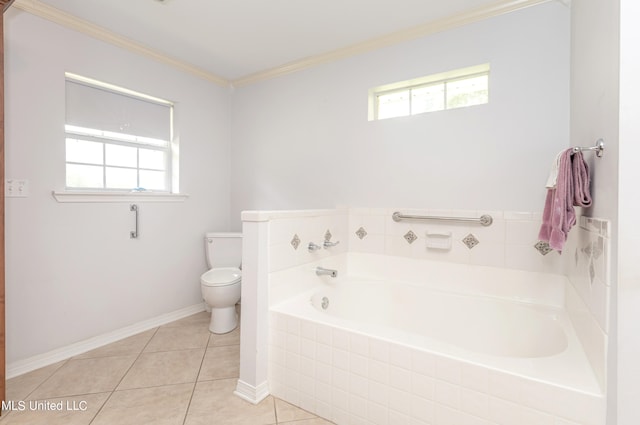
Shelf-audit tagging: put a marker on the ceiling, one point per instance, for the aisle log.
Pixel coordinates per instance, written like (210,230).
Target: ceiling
(232,40)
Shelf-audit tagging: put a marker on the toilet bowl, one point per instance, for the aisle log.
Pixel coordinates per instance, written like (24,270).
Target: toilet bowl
(220,285)
(221,292)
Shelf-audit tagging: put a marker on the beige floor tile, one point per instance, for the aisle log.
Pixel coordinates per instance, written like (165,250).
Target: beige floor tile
(213,402)
(286,412)
(127,346)
(158,406)
(86,407)
(178,338)
(315,421)
(163,368)
(220,362)
(201,319)
(20,387)
(231,338)
(84,376)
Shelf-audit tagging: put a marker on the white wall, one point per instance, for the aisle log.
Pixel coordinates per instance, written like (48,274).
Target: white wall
(72,270)
(303,140)
(629,204)
(595,114)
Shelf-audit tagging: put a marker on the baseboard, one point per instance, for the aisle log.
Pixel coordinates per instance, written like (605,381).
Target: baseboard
(250,393)
(27,365)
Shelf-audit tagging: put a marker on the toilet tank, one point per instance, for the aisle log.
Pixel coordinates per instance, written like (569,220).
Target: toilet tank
(224,249)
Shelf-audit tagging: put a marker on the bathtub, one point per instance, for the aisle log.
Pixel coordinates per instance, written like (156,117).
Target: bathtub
(395,341)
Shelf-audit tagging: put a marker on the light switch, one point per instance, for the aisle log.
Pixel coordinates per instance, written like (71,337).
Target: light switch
(16,188)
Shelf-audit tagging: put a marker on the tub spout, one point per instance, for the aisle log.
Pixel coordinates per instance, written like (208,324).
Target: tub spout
(321,271)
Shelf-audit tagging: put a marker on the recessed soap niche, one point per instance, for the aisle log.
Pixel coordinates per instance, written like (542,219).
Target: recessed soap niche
(438,240)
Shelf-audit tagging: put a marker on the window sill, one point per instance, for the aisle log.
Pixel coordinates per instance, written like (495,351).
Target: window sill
(78,196)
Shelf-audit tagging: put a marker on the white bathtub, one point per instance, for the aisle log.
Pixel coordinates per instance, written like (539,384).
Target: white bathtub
(431,318)
(411,341)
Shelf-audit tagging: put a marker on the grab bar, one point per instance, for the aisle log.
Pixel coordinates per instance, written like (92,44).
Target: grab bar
(134,233)
(485,219)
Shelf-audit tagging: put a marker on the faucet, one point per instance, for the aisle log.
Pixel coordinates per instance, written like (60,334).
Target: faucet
(329,244)
(321,271)
(313,247)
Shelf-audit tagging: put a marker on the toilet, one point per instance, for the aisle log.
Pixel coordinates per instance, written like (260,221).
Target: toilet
(221,284)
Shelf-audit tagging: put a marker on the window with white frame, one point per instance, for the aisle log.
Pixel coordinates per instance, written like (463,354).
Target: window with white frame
(447,90)
(116,139)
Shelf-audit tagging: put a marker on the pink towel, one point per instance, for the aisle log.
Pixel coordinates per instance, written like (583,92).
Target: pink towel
(572,188)
(581,181)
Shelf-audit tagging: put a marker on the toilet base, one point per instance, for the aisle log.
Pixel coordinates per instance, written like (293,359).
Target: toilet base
(223,320)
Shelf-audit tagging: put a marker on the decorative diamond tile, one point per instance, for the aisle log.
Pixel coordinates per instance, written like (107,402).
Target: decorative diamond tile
(361,233)
(410,237)
(470,241)
(544,248)
(295,242)
(327,235)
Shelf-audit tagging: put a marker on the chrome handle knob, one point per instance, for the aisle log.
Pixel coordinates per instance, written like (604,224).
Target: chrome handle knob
(313,247)
(329,244)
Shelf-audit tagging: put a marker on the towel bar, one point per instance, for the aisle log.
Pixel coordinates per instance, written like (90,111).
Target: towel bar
(599,148)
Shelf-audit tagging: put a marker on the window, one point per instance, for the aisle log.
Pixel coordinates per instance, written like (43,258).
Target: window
(454,89)
(116,139)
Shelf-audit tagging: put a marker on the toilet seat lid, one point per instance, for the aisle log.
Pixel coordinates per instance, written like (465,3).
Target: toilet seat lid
(221,276)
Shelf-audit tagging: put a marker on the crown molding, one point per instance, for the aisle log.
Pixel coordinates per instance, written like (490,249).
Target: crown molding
(67,20)
(499,8)
(5,4)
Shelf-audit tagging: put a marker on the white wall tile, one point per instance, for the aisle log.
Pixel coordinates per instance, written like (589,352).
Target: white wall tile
(448,370)
(447,394)
(379,371)
(423,386)
(422,409)
(474,402)
(400,400)
(379,393)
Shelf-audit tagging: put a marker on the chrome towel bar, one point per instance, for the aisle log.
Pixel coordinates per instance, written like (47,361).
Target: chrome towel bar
(599,148)
(485,219)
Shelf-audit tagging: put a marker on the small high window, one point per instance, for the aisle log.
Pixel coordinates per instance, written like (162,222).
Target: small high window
(448,90)
(116,139)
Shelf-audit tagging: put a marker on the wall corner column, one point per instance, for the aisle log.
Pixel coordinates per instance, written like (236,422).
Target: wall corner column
(252,383)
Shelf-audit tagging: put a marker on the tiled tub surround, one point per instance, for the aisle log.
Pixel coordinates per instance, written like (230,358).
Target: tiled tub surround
(368,372)
(343,372)
(510,241)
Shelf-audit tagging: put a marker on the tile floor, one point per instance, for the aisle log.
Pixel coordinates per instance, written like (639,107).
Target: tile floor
(176,374)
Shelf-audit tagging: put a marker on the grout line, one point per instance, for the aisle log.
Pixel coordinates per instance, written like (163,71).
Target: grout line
(275,411)
(123,376)
(206,348)
(64,362)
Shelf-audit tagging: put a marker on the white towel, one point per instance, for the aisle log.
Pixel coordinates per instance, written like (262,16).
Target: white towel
(553,174)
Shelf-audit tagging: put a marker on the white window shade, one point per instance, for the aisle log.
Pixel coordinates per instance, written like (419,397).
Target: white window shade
(96,108)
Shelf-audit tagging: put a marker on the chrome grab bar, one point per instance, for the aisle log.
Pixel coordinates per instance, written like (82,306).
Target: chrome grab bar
(485,219)
(134,233)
